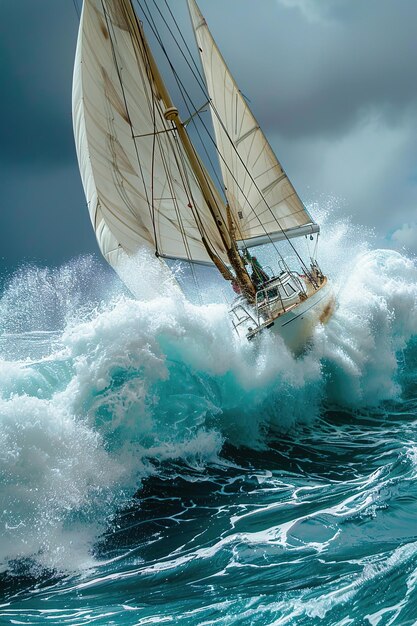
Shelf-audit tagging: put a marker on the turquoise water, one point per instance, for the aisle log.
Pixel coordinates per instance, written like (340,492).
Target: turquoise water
(155,469)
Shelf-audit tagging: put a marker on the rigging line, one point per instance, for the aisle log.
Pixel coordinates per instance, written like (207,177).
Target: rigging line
(191,119)
(257,188)
(175,200)
(152,176)
(316,246)
(206,152)
(168,132)
(199,77)
(77,10)
(125,99)
(184,93)
(160,111)
(204,88)
(194,209)
(221,157)
(152,25)
(169,180)
(203,106)
(206,237)
(155,132)
(148,16)
(165,163)
(197,74)
(173,145)
(260,193)
(181,164)
(179,82)
(197,68)
(179,216)
(234,147)
(153,107)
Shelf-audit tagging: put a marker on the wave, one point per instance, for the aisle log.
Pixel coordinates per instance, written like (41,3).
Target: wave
(113,386)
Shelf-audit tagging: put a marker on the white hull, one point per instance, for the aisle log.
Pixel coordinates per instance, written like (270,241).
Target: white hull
(296,325)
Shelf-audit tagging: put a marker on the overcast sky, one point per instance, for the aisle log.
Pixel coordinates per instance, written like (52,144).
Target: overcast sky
(332,82)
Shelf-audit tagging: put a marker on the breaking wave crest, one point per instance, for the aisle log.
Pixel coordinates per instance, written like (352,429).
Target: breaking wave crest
(97,392)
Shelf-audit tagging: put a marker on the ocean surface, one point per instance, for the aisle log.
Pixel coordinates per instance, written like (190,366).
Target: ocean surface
(155,469)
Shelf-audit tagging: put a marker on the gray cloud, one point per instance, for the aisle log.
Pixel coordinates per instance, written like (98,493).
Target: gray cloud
(44,216)
(334,85)
(37,45)
(319,77)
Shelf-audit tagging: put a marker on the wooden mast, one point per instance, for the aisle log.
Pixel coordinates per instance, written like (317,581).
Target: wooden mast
(171,113)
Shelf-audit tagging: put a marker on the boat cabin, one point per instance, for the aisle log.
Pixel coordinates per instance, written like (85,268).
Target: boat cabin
(273,298)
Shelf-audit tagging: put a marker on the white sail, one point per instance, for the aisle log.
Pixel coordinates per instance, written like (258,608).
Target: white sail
(262,199)
(138,182)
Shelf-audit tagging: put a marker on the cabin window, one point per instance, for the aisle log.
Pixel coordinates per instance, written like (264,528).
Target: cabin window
(289,290)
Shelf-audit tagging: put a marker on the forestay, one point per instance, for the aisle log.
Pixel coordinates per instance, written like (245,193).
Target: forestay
(138,182)
(262,199)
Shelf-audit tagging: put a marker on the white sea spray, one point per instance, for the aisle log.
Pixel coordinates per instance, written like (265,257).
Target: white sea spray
(122,385)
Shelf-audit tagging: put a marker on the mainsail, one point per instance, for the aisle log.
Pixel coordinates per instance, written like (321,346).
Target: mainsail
(264,204)
(139,184)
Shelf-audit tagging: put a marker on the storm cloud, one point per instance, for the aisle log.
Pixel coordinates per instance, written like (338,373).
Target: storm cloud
(334,85)
(37,44)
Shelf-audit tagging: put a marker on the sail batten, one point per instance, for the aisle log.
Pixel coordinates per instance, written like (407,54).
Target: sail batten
(260,195)
(140,187)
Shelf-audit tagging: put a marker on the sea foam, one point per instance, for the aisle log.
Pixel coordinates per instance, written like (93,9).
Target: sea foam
(121,385)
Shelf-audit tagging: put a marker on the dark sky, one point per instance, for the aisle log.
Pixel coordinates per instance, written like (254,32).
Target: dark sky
(332,82)
(43,214)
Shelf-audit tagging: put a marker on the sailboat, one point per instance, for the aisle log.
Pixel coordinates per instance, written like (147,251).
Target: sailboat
(146,185)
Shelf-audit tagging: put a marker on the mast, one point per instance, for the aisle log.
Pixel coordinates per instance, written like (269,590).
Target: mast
(171,114)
